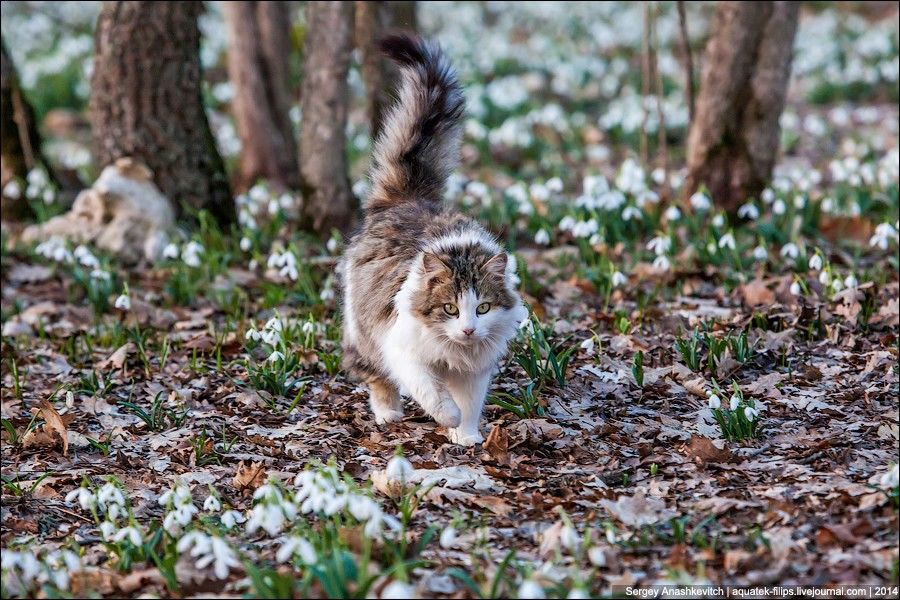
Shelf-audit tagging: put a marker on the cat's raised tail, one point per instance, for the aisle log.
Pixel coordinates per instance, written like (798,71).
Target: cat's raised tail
(419,144)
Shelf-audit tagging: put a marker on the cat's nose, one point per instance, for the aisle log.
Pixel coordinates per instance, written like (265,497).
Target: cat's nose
(468,331)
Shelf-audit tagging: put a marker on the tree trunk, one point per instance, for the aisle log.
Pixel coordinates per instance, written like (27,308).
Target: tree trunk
(733,141)
(19,138)
(328,200)
(258,51)
(373,21)
(146,101)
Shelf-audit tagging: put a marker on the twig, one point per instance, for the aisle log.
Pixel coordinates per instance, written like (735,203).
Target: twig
(688,60)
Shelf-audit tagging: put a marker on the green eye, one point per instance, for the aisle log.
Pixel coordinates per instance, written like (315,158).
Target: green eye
(483,308)
(451,309)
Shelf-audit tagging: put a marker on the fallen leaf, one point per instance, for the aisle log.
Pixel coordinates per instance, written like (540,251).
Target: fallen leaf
(249,477)
(638,510)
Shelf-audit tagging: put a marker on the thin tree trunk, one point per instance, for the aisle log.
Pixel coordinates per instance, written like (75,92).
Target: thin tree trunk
(373,21)
(733,141)
(258,51)
(146,101)
(19,137)
(328,200)
(688,59)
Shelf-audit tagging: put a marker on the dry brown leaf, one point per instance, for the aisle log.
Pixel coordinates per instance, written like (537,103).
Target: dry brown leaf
(249,477)
(54,424)
(497,444)
(702,450)
(117,359)
(756,292)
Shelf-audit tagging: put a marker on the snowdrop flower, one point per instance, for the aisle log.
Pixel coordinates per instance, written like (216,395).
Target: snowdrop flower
(618,279)
(815,262)
(658,175)
(178,496)
(12,190)
(727,241)
(824,278)
(748,211)
(661,263)
(884,233)
(750,413)
(790,250)
(399,469)
(718,220)
(597,556)
(326,295)
(252,335)
(566,223)
(542,237)
(211,504)
(132,533)
(85,497)
(231,517)
(100,275)
(190,254)
(110,495)
(555,185)
(531,589)
(213,551)
(246,244)
(673,213)
(171,251)
(588,345)
(714,402)
(760,253)
(836,284)
(568,537)
(37,177)
(700,201)
(660,244)
(779,207)
(891,478)
(735,402)
(275,356)
(850,281)
(448,537)
(795,289)
(308,327)
(123,302)
(297,546)
(179,517)
(331,245)
(595,240)
(398,590)
(630,213)
(799,201)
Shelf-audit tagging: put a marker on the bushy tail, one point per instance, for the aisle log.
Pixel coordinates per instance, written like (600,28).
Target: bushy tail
(419,144)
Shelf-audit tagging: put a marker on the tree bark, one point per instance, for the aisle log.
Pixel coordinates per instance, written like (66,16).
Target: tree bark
(258,51)
(146,101)
(373,21)
(19,138)
(733,140)
(328,199)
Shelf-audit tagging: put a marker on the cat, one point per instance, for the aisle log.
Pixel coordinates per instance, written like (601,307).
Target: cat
(429,296)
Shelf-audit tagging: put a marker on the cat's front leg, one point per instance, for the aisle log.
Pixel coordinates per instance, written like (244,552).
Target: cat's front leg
(419,381)
(469,391)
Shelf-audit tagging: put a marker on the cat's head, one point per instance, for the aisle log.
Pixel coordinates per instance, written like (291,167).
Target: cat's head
(464,293)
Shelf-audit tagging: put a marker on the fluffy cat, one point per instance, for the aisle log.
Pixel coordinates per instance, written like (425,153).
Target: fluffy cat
(429,296)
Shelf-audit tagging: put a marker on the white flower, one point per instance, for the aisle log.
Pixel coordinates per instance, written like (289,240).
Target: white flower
(748,211)
(555,185)
(714,402)
(836,284)
(727,241)
(171,251)
(297,546)
(850,281)
(399,469)
(735,402)
(326,295)
(542,237)
(630,213)
(700,201)
(566,223)
(588,345)
(12,189)
(211,504)
(760,253)
(796,289)
(568,537)
(230,517)
(790,250)
(891,478)
(618,279)
(209,550)
(673,213)
(779,207)
(448,537)
(123,302)
(824,278)
(37,177)
(269,517)
(661,263)
(884,233)
(252,335)
(660,244)
(597,556)
(107,530)
(799,201)
(275,356)
(815,262)
(132,533)
(191,252)
(179,495)
(246,244)
(86,498)
(531,589)
(750,412)
(397,590)
(332,245)
(110,495)
(718,220)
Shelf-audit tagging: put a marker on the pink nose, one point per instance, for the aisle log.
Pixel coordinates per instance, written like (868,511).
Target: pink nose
(468,331)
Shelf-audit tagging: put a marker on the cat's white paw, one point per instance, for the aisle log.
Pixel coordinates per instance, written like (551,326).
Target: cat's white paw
(384,416)
(464,438)
(446,412)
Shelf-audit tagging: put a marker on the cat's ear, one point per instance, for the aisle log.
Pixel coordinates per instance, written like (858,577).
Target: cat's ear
(496,264)
(432,264)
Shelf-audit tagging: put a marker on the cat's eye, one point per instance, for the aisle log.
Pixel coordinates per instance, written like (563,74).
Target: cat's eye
(483,308)
(451,309)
